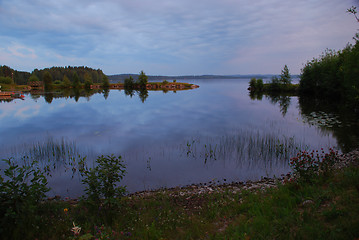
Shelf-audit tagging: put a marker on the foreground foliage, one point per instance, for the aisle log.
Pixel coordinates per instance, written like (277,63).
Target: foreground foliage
(317,202)
(102,182)
(21,190)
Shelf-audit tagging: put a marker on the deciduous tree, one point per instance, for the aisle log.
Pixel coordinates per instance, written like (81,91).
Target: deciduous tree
(75,80)
(142,80)
(47,79)
(105,82)
(66,83)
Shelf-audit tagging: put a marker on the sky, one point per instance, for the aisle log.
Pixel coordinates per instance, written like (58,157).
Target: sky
(173,37)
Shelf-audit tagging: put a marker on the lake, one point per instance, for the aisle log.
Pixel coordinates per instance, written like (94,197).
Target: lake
(214,133)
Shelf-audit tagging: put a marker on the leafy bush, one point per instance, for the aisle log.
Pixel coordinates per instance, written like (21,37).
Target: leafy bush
(164,82)
(283,84)
(105,82)
(102,181)
(275,85)
(21,190)
(66,83)
(88,84)
(57,82)
(33,78)
(6,80)
(259,84)
(252,83)
(333,74)
(129,83)
(256,85)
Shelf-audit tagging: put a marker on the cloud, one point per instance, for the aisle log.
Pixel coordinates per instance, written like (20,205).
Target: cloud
(174,37)
(21,51)
(27,112)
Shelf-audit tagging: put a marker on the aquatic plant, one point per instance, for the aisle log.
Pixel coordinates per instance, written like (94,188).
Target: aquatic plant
(51,155)
(322,119)
(244,146)
(52,150)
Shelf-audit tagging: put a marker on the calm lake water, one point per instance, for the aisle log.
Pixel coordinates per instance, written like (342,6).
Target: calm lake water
(214,133)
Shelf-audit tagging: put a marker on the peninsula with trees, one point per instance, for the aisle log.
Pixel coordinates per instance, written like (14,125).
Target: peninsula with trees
(80,78)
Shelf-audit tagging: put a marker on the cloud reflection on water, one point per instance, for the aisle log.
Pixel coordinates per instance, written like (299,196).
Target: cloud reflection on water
(155,133)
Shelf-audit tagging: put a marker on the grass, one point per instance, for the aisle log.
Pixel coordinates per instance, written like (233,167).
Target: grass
(245,146)
(13,87)
(54,152)
(327,208)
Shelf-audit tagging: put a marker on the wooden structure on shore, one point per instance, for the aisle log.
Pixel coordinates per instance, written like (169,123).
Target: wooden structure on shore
(10,95)
(38,85)
(151,86)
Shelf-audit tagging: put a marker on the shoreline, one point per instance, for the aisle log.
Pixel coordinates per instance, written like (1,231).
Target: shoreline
(345,160)
(174,86)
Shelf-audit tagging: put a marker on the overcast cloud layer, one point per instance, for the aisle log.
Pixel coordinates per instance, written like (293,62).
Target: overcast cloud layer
(167,37)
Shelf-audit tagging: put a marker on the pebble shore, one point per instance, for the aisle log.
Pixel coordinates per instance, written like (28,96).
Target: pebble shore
(347,159)
(351,158)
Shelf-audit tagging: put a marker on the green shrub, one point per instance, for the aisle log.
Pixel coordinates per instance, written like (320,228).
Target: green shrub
(66,83)
(33,78)
(57,82)
(256,85)
(129,83)
(21,190)
(102,182)
(6,80)
(88,84)
(105,82)
(259,84)
(275,85)
(252,84)
(333,74)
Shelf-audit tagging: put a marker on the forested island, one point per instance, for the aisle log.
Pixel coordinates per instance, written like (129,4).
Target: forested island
(79,78)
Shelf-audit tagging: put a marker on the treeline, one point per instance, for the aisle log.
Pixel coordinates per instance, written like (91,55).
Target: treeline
(122,77)
(11,76)
(333,75)
(281,85)
(139,85)
(59,74)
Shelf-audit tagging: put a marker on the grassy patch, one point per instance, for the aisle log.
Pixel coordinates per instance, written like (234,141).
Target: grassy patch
(13,87)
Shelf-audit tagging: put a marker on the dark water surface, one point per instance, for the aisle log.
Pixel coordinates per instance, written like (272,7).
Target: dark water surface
(216,132)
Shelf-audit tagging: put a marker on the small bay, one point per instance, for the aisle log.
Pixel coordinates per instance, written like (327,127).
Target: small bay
(214,133)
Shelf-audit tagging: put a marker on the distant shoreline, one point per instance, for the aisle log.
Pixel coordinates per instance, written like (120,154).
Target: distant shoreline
(122,77)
